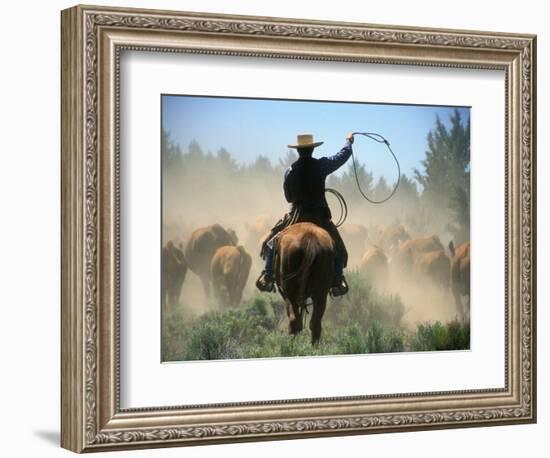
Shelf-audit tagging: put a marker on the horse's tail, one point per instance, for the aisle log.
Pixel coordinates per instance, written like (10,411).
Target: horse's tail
(310,250)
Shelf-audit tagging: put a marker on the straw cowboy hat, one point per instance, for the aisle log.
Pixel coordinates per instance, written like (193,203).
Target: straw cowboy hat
(305,141)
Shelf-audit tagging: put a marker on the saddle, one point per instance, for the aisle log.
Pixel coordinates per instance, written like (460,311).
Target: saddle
(269,241)
(291,218)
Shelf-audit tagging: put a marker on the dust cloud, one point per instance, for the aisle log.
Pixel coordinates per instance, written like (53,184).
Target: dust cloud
(205,189)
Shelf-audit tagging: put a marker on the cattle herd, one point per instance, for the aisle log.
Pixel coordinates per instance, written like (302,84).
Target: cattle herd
(422,261)
(385,256)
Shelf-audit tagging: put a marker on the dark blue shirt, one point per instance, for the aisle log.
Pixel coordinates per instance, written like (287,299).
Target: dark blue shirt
(326,165)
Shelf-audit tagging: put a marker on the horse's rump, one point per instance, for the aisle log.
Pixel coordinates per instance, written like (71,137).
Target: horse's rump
(305,261)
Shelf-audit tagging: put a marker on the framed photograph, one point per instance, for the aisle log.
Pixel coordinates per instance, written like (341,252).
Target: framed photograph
(278,228)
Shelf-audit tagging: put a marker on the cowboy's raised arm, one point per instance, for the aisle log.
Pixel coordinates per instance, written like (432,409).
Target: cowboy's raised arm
(333,163)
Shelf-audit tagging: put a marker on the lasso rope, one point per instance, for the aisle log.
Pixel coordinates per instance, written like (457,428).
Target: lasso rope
(343,206)
(379,139)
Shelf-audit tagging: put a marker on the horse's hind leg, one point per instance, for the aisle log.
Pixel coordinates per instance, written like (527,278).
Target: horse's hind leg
(319,306)
(295,324)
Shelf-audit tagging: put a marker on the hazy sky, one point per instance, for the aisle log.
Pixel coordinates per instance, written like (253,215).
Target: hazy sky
(250,127)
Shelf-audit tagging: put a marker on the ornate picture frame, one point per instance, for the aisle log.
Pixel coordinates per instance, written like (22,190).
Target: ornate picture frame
(93,39)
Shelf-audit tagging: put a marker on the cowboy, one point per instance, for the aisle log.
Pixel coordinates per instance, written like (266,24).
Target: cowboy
(304,187)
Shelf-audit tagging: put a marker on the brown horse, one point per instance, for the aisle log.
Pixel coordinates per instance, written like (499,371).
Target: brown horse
(304,268)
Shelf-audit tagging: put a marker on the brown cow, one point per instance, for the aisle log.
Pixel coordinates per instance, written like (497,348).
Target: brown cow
(229,269)
(174,269)
(201,246)
(422,245)
(433,266)
(423,259)
(375,233)
(304,268)
(393,235)
(407,251)
(374,265)
(460,274)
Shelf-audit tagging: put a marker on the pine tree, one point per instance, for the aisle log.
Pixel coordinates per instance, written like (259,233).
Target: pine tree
(172,158)
(460,208)
(290,157)
(445,180)
(381,191)
(195,151)
(262,165)
(447,159)
(347,184)
(225,161)
(407,192)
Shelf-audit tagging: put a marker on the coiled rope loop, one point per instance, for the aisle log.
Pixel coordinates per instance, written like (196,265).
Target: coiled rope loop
(379,139)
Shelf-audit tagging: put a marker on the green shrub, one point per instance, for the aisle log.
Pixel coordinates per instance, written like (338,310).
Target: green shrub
(382,339)
(174,330)
(437,336)
(208,340)
(364,322)
(350,340)
(363,305)
(377,338)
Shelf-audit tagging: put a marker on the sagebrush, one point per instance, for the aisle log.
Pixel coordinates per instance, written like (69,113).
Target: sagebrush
(363,321)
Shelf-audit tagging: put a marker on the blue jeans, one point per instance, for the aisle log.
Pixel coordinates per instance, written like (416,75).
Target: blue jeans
(270,252)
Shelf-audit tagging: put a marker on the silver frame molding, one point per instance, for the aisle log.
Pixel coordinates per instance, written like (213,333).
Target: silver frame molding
(92,41)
